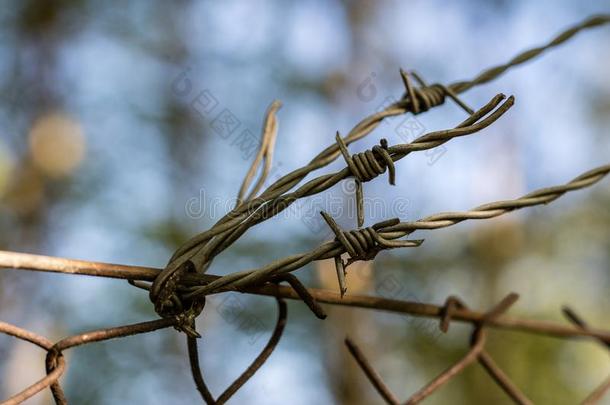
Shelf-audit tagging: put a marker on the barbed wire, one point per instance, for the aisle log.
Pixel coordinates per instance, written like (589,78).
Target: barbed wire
(179,290)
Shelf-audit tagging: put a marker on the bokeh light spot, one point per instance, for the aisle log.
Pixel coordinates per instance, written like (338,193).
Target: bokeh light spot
(57,144)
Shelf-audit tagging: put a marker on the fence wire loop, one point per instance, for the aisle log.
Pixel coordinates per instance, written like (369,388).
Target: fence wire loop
(257,363)
(452,304)
(477,352)
(303,294)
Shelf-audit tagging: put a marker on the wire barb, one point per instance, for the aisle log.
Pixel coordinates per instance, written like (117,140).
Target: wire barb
(362,244)
(421,99)
(365,166)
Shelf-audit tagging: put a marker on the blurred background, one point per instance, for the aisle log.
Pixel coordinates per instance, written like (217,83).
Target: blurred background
(127,128)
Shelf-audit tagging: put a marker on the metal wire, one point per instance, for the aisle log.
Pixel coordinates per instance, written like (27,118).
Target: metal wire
(476,353)
(240,280)
(179,290)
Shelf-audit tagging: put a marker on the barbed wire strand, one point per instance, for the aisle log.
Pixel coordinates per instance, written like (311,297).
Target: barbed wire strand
(270,203)
(496,71)
(366,126)
(476,122)
(202,248)
(242,279)
(232,229)
(235,227)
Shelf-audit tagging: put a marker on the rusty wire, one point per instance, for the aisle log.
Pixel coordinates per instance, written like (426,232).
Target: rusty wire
(179,290)
(249,372)
(43,343)
(476,353)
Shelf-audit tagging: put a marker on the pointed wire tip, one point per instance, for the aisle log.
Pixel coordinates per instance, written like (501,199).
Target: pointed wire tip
(191,332)
(417,242)
(497,99)
(405,77)
(509,300)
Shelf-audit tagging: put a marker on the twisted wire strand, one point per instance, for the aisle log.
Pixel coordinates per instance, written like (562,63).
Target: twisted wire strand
(368,124)
(360,130)
(525,56)
(285,183)
(242,279)
(485,211)
(235,227)
(476,122)
(201,256)
(265,153)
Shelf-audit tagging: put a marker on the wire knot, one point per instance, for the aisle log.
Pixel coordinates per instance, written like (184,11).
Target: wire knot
(362,244)
(365,166)
(165,295)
